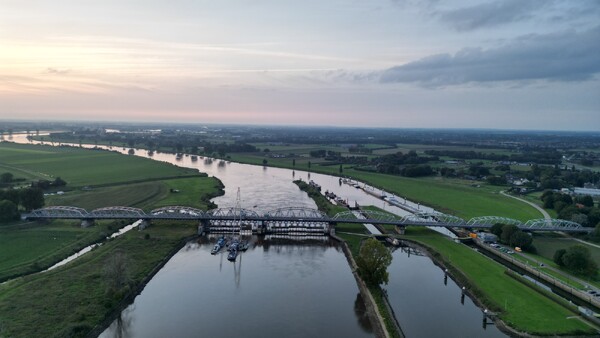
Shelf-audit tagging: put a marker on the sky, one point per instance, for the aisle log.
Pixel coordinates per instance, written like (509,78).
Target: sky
(510,64)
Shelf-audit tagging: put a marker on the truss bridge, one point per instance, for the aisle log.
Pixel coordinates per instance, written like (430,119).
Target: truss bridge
(289,220)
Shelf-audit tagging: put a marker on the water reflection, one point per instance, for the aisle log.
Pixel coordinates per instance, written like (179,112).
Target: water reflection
(123,324)
(278,288)
(430,304)
(360,309)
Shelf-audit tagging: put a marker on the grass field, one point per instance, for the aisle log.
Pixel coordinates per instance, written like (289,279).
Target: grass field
(81,167)
(27,248)
(146,195)
(69,301)
(519,306)
(34,246)
(465,199)
(547,244)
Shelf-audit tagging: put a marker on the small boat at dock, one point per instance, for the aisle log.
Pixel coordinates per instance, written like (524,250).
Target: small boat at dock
(232,255)
(216,249)
(220,244)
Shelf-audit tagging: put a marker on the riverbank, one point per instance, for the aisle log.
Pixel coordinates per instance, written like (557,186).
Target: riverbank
(130,297)
(73,299)
(77,297)
(381,319)
(521,312)
(452,196)
(109,179)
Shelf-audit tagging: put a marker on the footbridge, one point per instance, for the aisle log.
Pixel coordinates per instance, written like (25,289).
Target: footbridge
(291,219)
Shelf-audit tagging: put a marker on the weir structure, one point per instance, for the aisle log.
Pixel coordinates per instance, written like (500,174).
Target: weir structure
(290,220)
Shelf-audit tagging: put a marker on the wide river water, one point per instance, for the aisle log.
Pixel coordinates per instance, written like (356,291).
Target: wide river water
(285,287)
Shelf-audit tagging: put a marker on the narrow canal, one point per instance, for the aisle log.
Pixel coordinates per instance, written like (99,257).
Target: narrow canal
(283,287)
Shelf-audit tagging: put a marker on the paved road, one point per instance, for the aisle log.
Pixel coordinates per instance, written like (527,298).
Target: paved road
(538,208)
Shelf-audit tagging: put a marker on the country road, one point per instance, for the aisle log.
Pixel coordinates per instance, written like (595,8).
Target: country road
(540,209)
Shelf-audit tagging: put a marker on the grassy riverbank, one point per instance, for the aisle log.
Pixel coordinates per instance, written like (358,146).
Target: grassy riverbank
(116,179)
(31,247)
(71,300)
(517,305)
(84,167)
(453,196)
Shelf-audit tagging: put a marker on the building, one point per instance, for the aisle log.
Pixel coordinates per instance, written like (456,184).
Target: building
(487,237)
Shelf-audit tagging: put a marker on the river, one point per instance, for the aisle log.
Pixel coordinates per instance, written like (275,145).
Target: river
(283,287)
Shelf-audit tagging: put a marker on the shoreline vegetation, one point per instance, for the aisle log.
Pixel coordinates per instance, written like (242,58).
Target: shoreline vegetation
(19,298)
(76,298)
(531,312)
(453,196)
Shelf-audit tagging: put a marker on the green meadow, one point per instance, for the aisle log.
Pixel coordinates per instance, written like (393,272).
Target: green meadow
(71,300)
(461,198)
(83,167)
(520,306)
(116,180)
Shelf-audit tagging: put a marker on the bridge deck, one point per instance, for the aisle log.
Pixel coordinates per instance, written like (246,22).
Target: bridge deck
(297,217)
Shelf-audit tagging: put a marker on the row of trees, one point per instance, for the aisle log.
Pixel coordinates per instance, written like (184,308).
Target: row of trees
(511,235)
(11,200)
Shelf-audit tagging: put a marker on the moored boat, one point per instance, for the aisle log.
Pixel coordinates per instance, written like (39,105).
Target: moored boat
(232,255)
(216,249)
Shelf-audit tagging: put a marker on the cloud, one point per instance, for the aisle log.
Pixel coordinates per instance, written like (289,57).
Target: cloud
(495,13)
(490,14)
(57,71)
(566,56)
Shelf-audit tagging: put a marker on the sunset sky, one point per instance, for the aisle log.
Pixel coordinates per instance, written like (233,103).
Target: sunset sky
(518,64)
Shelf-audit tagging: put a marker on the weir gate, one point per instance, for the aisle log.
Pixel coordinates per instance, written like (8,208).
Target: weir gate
(290,220)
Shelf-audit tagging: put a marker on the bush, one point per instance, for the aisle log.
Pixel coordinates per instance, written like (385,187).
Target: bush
(558,255)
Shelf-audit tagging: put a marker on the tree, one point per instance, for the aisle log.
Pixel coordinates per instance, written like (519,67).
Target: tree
(497,229)
(293,162)
(6,178)
(13,196)
(116,271)
(59,182)
(265,162)
(586,200)
(373,261)
(8,211)
(308,164)
(496,180)
(32,198)
(579,260)
(558,255)
(507,231)
(595,235)
(341,169)
(521,239)
(580,218)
